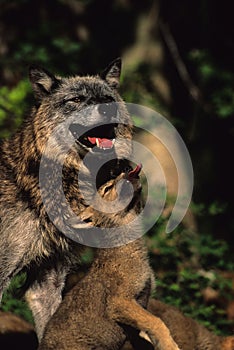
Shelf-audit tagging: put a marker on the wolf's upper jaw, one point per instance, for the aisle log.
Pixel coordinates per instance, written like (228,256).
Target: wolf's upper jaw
(101,136)
(101,142)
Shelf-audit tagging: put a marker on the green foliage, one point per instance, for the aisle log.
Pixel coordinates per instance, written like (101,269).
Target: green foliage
(218,83)
(13,106)
(212,209)
(10,302)
(133,91)
(61,47)
(186,264)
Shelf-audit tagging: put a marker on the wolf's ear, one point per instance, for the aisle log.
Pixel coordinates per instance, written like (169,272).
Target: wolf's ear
(42,81)
(112,73)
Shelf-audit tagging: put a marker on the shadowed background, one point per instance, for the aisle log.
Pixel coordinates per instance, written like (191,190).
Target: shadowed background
(177,59)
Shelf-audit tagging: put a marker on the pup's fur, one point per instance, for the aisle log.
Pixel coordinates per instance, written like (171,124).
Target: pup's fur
(109,301)
(28,238)
(188,333)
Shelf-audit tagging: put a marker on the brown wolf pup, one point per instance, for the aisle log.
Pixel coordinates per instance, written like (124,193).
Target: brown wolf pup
(29,239)
(189,334)
(109,301)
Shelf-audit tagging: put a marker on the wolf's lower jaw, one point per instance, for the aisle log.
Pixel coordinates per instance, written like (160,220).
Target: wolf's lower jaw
(95,148)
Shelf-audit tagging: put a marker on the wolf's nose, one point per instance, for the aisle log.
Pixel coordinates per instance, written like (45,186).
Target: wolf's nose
(108,109)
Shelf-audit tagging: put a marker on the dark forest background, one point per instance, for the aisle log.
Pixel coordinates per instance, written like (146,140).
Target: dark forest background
(178,59)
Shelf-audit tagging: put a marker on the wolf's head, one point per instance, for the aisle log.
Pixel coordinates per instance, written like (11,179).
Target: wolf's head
(86,110)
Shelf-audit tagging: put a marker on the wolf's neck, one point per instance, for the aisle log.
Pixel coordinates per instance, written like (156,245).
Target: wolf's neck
(23,152)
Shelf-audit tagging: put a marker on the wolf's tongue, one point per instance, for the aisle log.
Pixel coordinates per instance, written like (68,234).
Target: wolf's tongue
(92,140)
(135,172)
(101,143)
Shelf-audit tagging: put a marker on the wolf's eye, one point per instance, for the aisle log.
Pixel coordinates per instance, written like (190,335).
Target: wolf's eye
(107,188)
(76,99)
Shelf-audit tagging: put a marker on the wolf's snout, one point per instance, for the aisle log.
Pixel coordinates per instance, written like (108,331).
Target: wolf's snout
(108,109)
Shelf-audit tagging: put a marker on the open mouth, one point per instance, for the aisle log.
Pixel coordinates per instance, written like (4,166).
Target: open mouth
(101,136)
(134,173)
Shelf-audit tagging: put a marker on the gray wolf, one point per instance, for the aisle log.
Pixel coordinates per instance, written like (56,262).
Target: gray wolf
(29,240)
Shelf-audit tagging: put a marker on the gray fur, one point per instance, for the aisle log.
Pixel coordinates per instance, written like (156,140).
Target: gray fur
(28,239)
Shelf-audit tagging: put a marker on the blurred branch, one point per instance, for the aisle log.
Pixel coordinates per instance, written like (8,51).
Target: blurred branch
(194,91)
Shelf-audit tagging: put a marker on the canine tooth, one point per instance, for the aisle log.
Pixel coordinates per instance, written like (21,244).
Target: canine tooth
(113,141)
(97,142)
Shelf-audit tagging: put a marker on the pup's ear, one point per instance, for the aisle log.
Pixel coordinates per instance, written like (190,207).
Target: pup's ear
(112,73)
(42,81)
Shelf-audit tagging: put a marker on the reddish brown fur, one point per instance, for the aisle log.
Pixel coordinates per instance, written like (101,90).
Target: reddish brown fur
(114,292)
(188,334)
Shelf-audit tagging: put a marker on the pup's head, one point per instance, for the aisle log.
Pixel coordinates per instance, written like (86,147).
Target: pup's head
(115,188)
(124,187)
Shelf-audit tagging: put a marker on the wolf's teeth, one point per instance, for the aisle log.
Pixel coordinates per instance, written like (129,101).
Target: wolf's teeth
(97,142)
(113,142)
